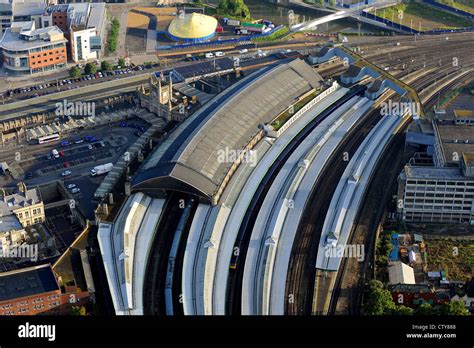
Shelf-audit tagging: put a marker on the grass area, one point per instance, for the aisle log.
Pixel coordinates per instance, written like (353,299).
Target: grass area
(280,120)
(277,35)
(454,257)
(424,16)
(463,5)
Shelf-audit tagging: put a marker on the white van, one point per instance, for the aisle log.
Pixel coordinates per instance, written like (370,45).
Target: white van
(220,54)
(209,55)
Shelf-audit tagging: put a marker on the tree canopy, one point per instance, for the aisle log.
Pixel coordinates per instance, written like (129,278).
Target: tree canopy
(233,8)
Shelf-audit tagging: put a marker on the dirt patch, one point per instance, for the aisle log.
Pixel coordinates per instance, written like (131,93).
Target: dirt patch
(137,21)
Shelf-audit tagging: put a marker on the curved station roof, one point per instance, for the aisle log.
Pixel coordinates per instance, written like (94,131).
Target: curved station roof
(188,160)
(193,26)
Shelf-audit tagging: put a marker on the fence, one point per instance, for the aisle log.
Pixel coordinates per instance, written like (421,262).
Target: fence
(391,24)
(305,108)
(222,42)
(449,8)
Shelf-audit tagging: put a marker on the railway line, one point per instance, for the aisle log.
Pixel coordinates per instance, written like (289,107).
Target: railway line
(304,247)
(322,296)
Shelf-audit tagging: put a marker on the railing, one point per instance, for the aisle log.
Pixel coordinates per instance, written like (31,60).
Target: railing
(305,108)
(221,42)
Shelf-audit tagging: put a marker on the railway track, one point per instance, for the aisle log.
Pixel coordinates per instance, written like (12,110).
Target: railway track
(302,277)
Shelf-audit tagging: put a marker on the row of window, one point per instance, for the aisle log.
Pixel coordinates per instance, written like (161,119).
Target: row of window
(440,182)
(35,211)
(46,54)
(46,61)
(436,207)
(27,309)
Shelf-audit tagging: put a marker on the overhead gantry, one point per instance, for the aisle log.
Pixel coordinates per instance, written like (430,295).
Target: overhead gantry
(359,67)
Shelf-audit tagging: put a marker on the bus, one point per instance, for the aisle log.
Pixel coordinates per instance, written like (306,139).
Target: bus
(48,138)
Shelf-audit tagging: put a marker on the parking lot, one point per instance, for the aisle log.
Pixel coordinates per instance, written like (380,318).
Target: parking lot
(34,91)
(79,157)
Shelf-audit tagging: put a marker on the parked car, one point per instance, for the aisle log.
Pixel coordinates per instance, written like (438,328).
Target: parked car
(66,173)
(66,164)
(75,190)
(71,186)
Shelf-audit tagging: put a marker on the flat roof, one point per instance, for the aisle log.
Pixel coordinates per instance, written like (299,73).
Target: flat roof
(30,8)
(189,159)
(9,222)
(455,139)
(97,16)
(11,41)
(435,173)
(27,282)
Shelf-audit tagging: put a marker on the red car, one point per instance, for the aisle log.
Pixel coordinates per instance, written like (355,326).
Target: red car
(67,164)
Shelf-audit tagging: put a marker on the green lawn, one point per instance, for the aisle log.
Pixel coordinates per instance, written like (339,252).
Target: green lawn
(464,5)
(424,16)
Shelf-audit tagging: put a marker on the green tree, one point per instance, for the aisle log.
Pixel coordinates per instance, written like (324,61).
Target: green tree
(197,2)
(332,3)
(90,68)
(121,62)
(233,8)
(426,309)
(401,310)
(454,308)
(379,300)
(105,65)
(74,72)
(113,36)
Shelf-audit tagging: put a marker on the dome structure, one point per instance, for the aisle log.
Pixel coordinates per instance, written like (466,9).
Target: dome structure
(192,27)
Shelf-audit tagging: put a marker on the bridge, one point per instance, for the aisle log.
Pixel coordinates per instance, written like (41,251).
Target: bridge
(355,12)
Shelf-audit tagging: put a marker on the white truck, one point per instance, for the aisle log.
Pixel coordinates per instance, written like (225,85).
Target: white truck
(55,153)
(102,169)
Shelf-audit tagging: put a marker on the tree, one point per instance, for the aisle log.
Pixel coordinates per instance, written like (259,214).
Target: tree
(74,72)
(113,36)
(121,62)
(454,308)
(233,8)
(105,65)
(90,68)
(379,301)
(197,2)
(426,309)
(401,310)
